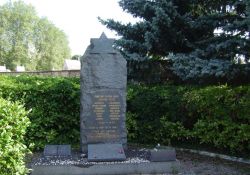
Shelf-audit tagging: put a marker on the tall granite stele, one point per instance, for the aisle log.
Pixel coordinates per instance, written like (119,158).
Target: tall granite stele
(103,94)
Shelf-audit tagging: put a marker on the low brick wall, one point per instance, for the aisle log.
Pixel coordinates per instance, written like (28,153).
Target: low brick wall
(138,72)
(62,73)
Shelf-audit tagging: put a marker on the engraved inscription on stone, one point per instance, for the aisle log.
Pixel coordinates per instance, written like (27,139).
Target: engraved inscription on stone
(102,102)
(104,123)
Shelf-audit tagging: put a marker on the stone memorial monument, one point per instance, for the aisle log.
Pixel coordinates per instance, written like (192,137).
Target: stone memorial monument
(103,97)
(103,130)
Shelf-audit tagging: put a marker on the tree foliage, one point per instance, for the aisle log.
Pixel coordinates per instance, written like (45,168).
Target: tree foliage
(26,39)
(185,27)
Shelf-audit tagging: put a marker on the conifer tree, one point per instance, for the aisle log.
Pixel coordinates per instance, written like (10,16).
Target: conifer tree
(206,29)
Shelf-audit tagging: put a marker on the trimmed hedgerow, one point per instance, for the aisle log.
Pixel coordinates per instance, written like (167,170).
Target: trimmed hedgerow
(217,115)
(55,104)
(213,115)
(13,124)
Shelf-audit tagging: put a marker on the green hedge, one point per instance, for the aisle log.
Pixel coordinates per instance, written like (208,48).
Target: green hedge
(212,115)
(13,124)
(55,104)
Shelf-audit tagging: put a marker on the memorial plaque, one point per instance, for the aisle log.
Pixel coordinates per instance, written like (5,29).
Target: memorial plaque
(50,150)
(105,152)
(103,94)
(57,150)
(64,150)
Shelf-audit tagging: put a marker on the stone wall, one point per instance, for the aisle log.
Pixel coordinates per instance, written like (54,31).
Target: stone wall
(145,72)
(62,73)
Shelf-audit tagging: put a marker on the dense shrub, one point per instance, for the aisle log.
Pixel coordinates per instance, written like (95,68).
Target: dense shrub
(13,124)
(212,115)
(223,134)
(55,104)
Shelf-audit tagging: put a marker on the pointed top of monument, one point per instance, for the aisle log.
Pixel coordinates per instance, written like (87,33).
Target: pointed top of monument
(103,36)
(102,45)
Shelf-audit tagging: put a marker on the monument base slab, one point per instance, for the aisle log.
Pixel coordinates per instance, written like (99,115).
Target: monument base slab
(109,169)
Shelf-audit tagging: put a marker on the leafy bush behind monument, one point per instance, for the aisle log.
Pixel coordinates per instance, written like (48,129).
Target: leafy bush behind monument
(216,115)
(55,104)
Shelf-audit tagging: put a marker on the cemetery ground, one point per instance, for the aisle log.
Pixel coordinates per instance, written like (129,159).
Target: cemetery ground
(191,163)
(110,113)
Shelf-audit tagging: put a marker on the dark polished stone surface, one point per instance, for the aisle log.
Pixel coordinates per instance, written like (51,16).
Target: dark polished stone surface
(57,150)
(105,152)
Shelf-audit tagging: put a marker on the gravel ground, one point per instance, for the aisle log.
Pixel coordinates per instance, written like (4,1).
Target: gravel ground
(191,163)
(203,165)
(133,156)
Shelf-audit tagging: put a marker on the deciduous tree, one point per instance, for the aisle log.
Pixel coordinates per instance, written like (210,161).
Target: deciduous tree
(26,39)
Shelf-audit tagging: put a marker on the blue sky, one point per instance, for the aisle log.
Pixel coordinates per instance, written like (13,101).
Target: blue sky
(78,18)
